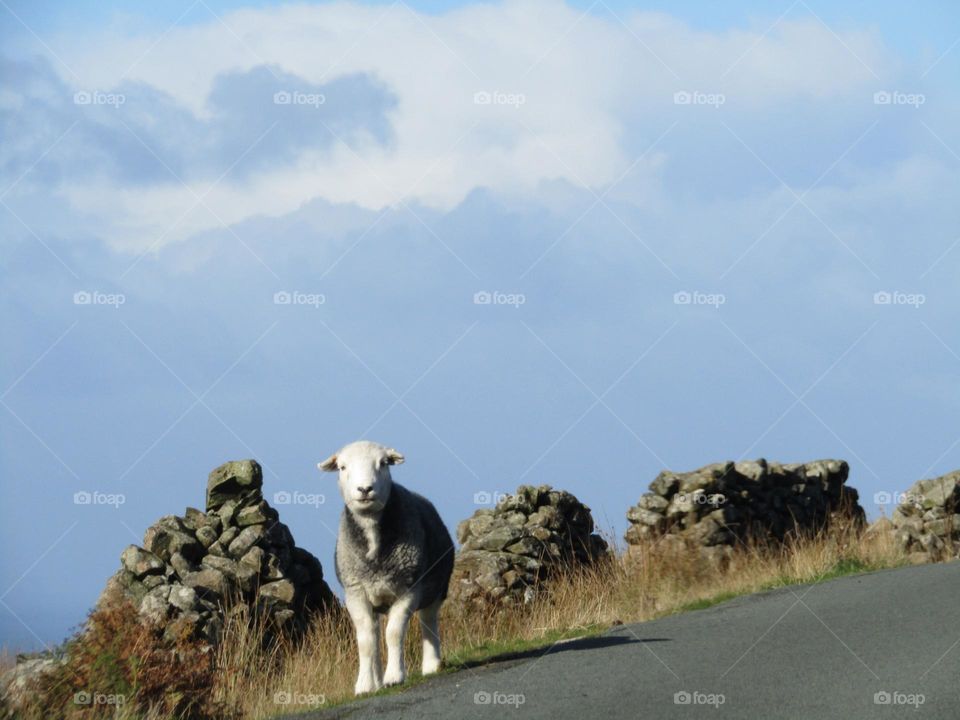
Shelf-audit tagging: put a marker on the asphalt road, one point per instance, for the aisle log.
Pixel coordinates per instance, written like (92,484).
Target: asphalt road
(882,645)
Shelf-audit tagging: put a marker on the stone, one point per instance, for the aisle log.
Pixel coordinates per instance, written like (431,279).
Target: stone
(248,578)
(141,562)
(272,568)
(152,581)
(526,546)
(279,591)
(239,480)
(926,523)
(195,568)
(654,503)
(645,517)
(181,565)
(164,541)
(279,534)
(183,597)
(207,535)
(154,605)
(224,565)
(209,583)
(665,484)
(508,552)
(245,540)
(496,539)
(725,503)
(254,558)
(228,535)
(193,518)
(228,512)
(255,514)
(541,533)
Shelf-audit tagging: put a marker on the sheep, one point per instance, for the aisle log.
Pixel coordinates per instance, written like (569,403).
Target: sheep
(394,556)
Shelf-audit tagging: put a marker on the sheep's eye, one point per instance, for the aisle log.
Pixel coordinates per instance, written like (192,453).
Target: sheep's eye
(343,467)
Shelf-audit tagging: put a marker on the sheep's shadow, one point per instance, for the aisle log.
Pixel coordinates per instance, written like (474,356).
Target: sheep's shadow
(587,643)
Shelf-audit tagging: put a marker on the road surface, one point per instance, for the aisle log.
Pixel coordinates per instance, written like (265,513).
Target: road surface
(881,645)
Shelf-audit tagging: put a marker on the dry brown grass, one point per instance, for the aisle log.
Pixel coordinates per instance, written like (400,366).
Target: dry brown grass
(640,585)
(121,667)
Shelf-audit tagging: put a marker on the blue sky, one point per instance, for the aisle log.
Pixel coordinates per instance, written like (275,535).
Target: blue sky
(707,232)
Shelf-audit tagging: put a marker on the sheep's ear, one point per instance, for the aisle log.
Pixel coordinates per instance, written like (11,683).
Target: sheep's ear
(329,465)
(393,457)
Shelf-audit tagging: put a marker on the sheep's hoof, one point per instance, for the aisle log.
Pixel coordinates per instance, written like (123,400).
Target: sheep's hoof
(365,686)
(390,679)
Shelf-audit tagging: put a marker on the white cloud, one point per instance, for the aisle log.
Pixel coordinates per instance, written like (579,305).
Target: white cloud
(580,85)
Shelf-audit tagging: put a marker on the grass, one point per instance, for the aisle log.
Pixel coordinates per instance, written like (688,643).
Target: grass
(250,679)
(8,658)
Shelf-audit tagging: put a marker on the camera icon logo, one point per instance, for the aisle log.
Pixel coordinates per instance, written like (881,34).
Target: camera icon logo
(682,697)
(281,98)
(282,498)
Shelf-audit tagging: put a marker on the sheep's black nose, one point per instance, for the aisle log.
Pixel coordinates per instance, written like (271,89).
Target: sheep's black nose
(365,490)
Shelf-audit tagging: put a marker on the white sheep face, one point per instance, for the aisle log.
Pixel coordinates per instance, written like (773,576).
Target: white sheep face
(364,475)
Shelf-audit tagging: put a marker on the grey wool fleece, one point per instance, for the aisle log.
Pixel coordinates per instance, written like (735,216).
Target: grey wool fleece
(415,548)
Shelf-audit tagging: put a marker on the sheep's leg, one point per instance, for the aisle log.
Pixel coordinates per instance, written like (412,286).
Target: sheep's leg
(430,628)
(397,621)
(368,642)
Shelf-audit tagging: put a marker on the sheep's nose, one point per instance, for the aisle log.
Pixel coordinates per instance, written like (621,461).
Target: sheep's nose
(365,490)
